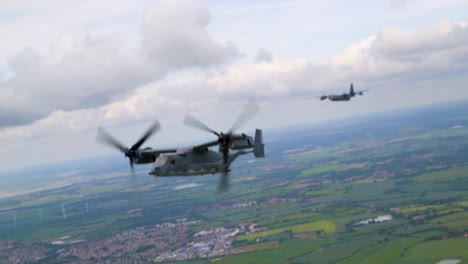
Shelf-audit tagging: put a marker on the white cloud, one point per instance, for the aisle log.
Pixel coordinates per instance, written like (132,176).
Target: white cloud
(391,58)
(175,35)
(258,79)
(394,57)
(83,70)
(129,83)
(408,55)
(263,55)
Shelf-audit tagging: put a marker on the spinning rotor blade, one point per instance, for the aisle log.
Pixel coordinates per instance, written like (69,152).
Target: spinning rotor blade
(223,185)
(132,153)
(155,127)
(225,155)
(104,137)
(195,123)
(132,170)
(249,110)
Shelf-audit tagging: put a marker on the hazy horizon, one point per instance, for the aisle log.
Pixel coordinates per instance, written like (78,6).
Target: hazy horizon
(122,65)
(280,130)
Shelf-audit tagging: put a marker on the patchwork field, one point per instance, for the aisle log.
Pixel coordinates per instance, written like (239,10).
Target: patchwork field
(323,226)
(379,190)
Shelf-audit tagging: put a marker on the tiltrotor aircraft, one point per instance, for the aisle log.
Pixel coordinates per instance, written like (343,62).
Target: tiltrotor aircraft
(194,160)
(344,96)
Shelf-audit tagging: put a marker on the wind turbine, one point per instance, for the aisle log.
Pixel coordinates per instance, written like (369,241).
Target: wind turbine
(63,212)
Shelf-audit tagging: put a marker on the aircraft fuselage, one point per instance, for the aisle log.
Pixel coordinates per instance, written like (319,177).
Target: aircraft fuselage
(192,163)
(341,97)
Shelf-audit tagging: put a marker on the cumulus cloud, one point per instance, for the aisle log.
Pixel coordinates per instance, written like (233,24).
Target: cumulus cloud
(83,70)
(175,35)
(147,103)
(394,57)
(91,72)
(425,60)
(259,79)
(409,55)
(263,55)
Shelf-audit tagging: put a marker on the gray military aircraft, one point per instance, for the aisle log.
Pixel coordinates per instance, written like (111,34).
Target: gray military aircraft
(344,96)
(194,160)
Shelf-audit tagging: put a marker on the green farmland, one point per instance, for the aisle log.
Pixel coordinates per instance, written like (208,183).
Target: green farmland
(391,190)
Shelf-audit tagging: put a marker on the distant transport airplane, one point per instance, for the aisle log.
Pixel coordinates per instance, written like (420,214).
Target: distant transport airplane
(344,96)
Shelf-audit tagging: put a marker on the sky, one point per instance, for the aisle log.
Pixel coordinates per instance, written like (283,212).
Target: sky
(67,68)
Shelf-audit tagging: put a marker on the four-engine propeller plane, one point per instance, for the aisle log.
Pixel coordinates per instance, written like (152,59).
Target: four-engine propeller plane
(343,96)
(194,160)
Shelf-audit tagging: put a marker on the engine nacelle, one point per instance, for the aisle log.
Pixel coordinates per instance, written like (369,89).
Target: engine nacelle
(241,141)
(141,158)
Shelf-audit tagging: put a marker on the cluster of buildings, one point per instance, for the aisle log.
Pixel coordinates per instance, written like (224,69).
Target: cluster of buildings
(136,245)
(159,243)
(244,204)
(209,243)
(205,244)
(12,253)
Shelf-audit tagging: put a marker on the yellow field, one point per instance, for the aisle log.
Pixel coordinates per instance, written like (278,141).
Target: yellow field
(420,208)
(463,203)
(322,169)
(326,226)
(258,247)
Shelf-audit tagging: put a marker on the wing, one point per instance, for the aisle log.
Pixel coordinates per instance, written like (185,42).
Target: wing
(206,145)
(361,92)
(156,152)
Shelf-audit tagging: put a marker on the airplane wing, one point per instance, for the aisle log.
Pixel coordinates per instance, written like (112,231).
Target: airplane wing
(321,97)
(206,145)
(361,92)
(156,152)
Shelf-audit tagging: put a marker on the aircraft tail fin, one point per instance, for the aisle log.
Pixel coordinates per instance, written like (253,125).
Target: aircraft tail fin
(351,90)
(259,146)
